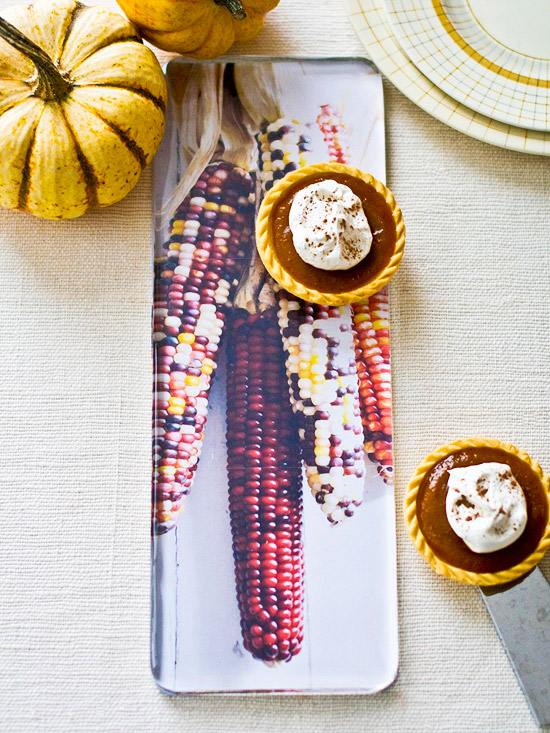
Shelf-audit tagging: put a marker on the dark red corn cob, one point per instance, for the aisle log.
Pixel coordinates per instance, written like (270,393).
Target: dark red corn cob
(210,235)
(265,489)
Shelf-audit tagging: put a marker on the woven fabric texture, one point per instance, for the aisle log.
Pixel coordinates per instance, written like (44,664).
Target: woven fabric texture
(470,318)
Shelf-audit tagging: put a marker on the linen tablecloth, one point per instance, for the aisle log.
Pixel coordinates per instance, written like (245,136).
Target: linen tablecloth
(470,320)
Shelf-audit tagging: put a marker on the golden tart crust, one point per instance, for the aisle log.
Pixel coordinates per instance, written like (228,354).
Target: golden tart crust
(444,568)
(267,250)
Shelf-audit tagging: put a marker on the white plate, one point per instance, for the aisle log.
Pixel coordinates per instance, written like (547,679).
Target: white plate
(491,55)
(373,27)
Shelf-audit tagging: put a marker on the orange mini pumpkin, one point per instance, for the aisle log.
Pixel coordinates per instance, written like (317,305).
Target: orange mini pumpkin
(202,29)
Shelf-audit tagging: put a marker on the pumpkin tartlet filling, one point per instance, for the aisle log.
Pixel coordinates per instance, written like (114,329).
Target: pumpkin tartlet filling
(509,501)
(335,281)
(343,283)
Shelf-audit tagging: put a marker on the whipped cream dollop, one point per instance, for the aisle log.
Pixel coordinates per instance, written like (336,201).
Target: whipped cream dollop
(329,227)
(486,506)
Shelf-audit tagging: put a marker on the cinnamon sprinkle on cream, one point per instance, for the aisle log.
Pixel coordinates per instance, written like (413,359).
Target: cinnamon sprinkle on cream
(329,227)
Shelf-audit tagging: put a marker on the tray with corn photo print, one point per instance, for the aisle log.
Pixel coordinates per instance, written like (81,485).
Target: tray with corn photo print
(273,516)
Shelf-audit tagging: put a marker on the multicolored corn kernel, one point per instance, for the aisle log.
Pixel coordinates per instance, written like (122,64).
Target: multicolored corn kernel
(330,124)
(324,393)
(283,146)
(203,258)
(372,349)
(265,490)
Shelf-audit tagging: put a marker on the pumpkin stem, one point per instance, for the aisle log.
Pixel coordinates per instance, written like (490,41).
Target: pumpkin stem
(235,7)
(50,85)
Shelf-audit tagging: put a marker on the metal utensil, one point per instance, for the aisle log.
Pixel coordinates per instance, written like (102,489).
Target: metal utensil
(521,614)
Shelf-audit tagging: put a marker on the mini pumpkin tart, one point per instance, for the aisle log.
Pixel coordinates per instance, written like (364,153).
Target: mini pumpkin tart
(478,510)
(330,234)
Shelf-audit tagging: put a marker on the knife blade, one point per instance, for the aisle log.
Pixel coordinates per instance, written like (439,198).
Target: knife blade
(521,614)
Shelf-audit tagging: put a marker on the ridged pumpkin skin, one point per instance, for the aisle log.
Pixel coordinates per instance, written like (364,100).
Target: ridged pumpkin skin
(79,122)
(201,29)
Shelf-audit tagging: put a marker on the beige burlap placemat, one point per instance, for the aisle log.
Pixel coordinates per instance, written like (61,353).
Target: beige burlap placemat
(470,340)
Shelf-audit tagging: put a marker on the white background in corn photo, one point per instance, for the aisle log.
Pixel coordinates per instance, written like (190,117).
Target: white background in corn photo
(350,630)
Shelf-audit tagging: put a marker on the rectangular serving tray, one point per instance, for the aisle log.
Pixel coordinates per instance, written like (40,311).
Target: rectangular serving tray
(350,632)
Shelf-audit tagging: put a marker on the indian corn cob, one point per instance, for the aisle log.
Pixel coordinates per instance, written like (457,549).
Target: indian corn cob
(203,258)
(320,363)
(283,146)
(324,392)
(372,348)
(371,326)
(265,489)
(330,125)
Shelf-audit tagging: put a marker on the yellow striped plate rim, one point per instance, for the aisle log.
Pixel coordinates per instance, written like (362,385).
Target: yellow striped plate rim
(370,21)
